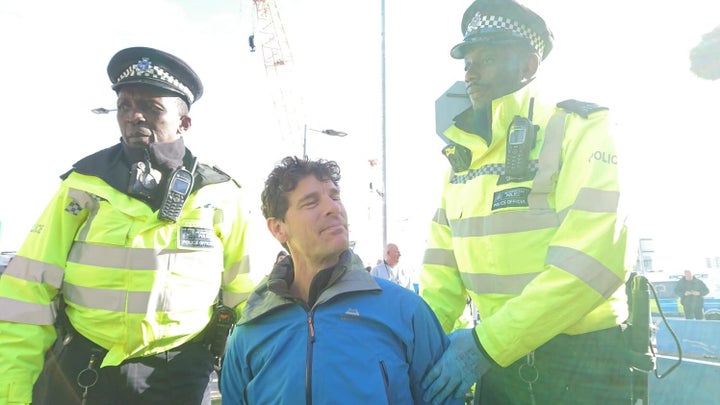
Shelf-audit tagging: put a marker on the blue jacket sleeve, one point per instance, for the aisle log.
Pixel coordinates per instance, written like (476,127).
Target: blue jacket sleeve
(429,345)
(233,378)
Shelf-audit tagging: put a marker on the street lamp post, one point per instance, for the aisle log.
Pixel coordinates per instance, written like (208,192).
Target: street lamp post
(384,124)
(330,132)
(101,110)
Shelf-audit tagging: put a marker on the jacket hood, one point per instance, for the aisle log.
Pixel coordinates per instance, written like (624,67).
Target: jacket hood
(273,291)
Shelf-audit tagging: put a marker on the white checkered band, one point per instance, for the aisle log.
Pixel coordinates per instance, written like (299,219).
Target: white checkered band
(492,169)
(481,21)
(74,208)
(144,67)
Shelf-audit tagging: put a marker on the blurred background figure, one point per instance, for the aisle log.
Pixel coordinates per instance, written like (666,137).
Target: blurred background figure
(390,270)
(705,56)
(691,291)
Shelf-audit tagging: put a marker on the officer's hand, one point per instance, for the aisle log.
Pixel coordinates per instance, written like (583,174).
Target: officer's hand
(460,366)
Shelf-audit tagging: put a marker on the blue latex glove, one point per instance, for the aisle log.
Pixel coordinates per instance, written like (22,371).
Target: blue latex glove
(459,368)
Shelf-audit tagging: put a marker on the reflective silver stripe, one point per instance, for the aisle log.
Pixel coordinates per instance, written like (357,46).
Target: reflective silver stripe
(127,258)
(232,299)
(136,302)
(496,283)
(440,257)
(26,312)
(505,222)
(594,200)
(116,257)
(132,302)
(586,268)
(35,271)
(548,161)
(87,201)
(139,259)
(440,217)
(241,267)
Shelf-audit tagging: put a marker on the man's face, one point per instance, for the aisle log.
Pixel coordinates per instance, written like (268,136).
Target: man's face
(145,116)
(492,71)
(315,225)
(393,255)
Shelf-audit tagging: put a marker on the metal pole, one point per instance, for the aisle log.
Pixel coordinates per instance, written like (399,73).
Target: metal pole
(643,358)
(384,142)
(305,140)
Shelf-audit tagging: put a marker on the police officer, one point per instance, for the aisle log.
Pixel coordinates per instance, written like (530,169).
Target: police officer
(137,246)
(528,227)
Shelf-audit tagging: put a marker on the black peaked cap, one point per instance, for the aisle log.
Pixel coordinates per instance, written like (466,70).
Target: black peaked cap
(153,67)
(502,21)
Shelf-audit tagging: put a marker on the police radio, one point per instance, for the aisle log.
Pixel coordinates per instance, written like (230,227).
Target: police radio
(219,329)
(521,139)
(178,190)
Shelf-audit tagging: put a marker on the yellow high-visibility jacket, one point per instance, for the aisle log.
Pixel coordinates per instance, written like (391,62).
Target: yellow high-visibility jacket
(540,255)
(133,284)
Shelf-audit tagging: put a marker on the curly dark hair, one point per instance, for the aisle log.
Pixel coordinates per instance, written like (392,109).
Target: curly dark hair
(286,176)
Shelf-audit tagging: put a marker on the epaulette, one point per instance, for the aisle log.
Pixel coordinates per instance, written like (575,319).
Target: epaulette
(212,175)
(581,108)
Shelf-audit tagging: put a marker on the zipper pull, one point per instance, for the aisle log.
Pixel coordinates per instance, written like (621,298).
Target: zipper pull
(311,329)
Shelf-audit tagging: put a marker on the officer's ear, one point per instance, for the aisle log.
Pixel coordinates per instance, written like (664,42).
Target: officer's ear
(529,66)
(185,123)
(184,111)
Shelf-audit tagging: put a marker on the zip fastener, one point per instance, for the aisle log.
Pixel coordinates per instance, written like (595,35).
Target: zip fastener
(386,380)
(383,370)
(308,359)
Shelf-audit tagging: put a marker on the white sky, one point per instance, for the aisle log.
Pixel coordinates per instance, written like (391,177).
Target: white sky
(630,56)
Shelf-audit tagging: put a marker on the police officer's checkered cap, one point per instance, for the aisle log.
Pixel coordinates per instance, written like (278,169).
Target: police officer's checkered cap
(156,68)
(500,21)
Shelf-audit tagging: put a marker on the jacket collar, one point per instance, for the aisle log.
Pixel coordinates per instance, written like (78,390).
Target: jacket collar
(110,165)
(474,130)
(273,292)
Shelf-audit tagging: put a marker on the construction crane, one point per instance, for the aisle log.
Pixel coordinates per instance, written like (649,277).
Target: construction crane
(269,35)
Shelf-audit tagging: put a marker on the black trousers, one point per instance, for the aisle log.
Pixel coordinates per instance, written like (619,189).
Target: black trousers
(592,368)
(693,307)
(178,376)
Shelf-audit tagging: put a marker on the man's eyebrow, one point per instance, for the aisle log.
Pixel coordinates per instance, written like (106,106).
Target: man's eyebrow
(308,197)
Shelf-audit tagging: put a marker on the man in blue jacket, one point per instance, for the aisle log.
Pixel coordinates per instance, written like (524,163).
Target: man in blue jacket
(320,329)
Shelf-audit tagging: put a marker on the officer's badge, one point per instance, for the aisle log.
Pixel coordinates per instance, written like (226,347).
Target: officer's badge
(144,65)
(73,208)
(582,108)
(459,156)
(195,238)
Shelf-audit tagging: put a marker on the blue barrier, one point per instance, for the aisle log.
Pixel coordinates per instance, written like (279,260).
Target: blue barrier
(698,339)
(693,382)
(671,307)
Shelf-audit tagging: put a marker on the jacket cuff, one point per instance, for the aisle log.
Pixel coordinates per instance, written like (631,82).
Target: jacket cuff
(482,349)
